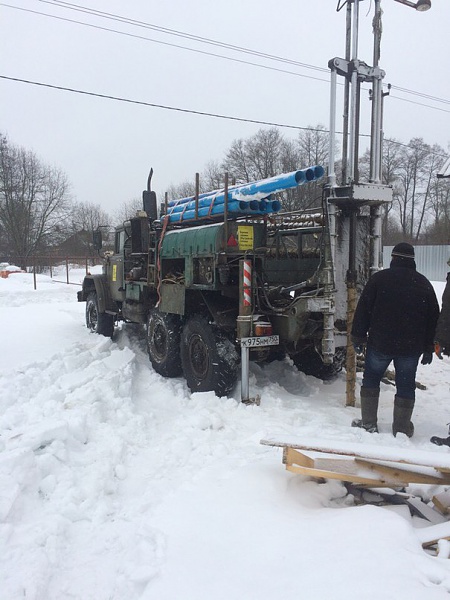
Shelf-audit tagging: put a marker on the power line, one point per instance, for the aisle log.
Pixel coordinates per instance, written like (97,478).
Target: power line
(196,38)
(141,37)
(419,103)
(151,104)
(422,95)
(177,33)
(189,111)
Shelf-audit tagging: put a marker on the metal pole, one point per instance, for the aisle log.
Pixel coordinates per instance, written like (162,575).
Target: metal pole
(245,375)
(375,213)
(197,193)
(354,92)
(375,133)
(350,364)
(67,270)
(225,208)
(332,146)
(244,326)
(348,44)
(356,141)
(376,147)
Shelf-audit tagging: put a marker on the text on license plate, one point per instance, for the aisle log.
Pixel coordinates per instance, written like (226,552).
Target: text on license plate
(257,342)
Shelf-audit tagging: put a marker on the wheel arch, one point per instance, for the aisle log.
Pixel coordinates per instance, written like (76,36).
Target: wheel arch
(98,284)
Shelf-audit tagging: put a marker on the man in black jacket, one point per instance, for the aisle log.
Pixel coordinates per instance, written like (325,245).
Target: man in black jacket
(442,342)
(396,316)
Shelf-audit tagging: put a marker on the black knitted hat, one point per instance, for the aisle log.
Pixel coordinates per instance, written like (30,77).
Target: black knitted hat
(404,250)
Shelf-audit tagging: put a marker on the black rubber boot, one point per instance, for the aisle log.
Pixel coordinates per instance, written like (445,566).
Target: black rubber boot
(441,441)
(403,410)
(369,410)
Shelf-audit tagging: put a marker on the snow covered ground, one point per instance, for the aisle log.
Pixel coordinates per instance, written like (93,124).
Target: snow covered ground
(117,484)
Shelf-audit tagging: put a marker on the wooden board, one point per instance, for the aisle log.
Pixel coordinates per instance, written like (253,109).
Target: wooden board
(431,535)
(442,502)
(364,465)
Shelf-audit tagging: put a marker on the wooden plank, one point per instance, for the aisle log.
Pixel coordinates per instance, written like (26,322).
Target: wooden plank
(291,456)
(349,470)
(431,535)
(348,466)
(401,475)
(341,465)
(435,459)
(321,474)
(442,502)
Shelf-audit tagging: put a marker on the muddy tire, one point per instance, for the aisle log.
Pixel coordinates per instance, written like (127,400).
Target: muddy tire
(96,321)
(163,343)
(310,363)
(209,358)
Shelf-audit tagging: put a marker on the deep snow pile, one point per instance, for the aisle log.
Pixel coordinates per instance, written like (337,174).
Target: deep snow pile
(117,484)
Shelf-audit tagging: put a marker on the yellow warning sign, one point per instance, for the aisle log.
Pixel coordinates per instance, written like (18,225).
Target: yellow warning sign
(245,237)
(114,272)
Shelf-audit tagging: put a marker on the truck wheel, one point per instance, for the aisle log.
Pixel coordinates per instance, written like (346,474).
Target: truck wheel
(209,358)
(96,321)
(163,343)
(310,363)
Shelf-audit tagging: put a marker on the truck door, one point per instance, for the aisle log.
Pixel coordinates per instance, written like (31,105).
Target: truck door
(115,270)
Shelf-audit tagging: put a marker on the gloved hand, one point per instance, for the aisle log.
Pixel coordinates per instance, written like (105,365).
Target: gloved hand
(427,357)
(438,350)
(359,344)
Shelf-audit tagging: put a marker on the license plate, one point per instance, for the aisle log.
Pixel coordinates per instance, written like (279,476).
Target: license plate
(258,341)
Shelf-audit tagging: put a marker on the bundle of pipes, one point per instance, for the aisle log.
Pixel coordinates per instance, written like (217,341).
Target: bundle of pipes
(252,198)
(296,221)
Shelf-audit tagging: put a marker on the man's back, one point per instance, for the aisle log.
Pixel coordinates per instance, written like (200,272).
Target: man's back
(399,309)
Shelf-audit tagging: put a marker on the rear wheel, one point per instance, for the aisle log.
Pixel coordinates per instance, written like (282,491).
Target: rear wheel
(209,358)
(310,362)
(96,321)
(163,343)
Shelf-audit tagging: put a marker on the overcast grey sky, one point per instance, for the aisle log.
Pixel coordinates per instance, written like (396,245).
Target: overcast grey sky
(106,147)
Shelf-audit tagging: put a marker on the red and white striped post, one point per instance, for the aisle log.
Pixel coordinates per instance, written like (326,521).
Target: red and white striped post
(245,324)
(247,285)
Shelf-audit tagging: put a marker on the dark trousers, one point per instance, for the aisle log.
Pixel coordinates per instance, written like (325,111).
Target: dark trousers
(405,367)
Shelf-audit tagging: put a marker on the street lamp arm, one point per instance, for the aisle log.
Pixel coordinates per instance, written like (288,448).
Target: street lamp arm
(420,5)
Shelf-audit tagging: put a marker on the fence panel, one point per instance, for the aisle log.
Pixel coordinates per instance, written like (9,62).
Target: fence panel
(431,261)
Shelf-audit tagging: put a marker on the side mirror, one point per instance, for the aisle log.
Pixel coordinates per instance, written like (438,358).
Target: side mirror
(97,241)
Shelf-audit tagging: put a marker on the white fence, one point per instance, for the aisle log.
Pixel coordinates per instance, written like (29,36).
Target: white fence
(431,261)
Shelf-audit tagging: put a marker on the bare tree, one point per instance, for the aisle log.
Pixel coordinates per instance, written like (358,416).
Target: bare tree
(313,145)
(411,179)
(34,202)
(128,210)
(312,149)
(85,219)
(258,157)
(264,153)
(236,162)
(212,178)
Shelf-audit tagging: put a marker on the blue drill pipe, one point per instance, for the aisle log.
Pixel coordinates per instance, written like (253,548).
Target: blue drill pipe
(206,201)
(270,206)
(235,207)
(259,190)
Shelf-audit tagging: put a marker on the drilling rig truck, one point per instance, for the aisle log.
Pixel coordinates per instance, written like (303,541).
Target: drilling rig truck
(241,280)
